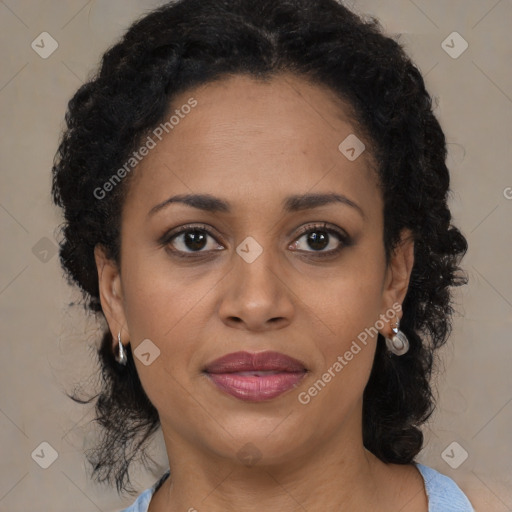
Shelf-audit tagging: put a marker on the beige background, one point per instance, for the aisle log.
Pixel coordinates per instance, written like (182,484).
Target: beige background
(46,344)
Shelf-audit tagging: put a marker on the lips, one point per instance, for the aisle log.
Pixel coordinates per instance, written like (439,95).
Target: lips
(255,362)
(255,377)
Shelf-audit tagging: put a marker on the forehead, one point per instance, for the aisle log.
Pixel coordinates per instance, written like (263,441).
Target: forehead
(244,136)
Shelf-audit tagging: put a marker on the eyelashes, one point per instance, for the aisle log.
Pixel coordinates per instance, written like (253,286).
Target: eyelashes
(199,235)
(319,234)
(195,241)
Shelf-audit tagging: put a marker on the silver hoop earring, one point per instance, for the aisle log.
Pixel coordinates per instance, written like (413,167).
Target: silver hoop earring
(398,344)
(121,357)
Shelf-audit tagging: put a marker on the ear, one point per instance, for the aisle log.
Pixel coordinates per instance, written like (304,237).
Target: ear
(398,273)
(111,296)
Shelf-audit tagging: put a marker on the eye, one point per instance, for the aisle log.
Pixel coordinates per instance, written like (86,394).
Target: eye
(323,240)
(190,239)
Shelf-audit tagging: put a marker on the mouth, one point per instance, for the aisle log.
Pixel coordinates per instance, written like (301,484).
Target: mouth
(255,377)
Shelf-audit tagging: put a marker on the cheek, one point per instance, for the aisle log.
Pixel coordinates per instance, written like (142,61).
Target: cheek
(354,305)
(353,310)
(349,305)
(160,297)
(349,299)
(337,383)
(163,306)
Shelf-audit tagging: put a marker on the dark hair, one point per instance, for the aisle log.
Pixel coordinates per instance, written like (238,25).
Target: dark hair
(191,42)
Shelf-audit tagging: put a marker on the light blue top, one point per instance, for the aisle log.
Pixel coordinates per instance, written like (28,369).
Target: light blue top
(444,495)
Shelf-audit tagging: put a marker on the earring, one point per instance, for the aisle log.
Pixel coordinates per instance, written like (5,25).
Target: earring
(398,344)
(121,357)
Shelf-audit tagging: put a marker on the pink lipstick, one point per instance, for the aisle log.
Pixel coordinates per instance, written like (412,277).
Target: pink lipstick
(255,377)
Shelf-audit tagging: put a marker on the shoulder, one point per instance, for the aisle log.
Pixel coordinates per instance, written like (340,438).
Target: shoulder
(444,495)
(141,504)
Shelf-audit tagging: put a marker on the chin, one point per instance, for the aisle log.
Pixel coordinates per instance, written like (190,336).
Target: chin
(260,442)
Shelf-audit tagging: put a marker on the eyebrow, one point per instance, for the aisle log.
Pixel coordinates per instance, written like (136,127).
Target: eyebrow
(292,203)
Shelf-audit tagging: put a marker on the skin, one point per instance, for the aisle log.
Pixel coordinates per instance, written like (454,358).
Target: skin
(253,144)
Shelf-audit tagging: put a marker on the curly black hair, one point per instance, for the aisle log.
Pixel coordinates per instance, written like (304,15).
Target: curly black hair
(192,42)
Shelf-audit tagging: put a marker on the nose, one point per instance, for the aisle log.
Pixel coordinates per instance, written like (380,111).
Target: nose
(256,296)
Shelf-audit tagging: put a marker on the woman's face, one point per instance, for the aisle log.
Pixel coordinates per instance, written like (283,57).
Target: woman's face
(249,278)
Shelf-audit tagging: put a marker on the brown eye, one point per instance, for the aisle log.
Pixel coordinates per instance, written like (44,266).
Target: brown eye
(317,240)
(194,240)
(321,239)
(189,240)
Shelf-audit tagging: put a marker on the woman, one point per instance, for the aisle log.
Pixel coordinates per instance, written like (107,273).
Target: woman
(255,199)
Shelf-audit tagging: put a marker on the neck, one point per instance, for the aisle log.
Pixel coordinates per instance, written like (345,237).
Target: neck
(335,474)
